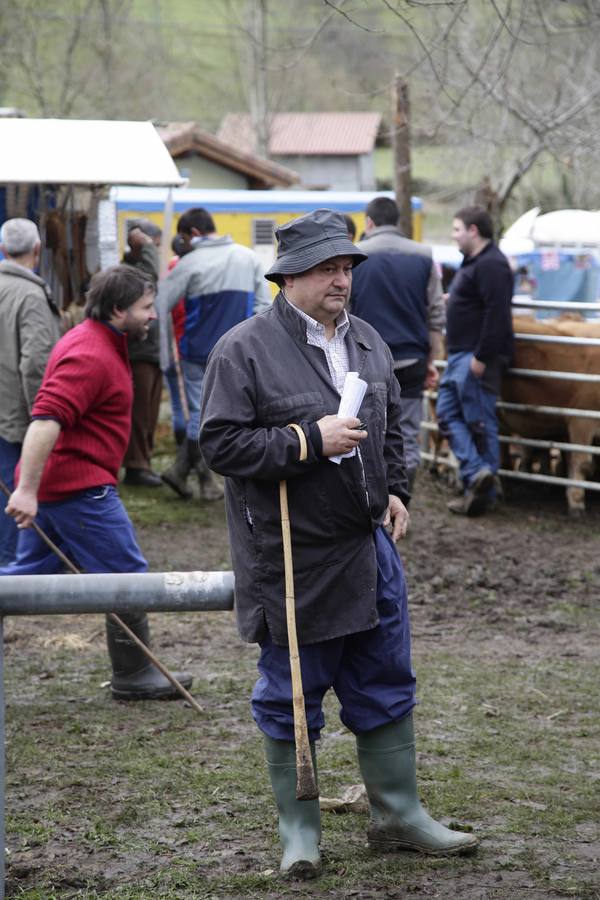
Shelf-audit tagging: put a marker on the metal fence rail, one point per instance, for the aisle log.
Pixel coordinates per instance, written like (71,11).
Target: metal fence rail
(531,442)
(556,304)
(557,339)
(521,476)
(538,373)
(33,595)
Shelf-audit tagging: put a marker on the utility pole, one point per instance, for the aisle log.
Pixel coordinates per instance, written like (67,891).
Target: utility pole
(401,150)
(259,105)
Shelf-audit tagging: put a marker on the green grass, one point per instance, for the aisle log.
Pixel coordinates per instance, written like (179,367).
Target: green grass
(180,791)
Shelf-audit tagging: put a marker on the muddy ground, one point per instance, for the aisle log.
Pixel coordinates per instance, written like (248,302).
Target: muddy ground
(152,800)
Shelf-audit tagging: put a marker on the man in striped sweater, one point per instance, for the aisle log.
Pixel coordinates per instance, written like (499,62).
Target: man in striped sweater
(81,421)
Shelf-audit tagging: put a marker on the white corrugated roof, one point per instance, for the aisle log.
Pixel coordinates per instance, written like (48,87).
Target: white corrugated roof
(73,151)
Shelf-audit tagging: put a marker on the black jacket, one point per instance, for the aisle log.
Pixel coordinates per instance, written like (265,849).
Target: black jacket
(261,376)
(479,319)
(148,349)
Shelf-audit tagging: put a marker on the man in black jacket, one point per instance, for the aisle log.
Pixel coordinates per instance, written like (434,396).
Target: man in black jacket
(269,413)
(479,341)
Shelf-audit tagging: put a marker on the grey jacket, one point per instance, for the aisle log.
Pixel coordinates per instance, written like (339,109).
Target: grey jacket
(261,376)
(213,279)
(29,328)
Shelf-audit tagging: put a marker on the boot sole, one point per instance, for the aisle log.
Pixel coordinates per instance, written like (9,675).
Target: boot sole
(303,870)
(392,846)
(168,693)
(186,495)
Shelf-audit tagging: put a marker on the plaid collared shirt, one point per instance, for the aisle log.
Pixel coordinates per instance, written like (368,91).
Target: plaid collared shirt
(336,352)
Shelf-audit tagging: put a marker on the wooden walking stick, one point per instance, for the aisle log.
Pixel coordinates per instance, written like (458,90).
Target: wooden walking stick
(114,617)
(306,783)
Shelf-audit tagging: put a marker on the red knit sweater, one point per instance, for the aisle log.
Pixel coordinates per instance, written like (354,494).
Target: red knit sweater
(87,387)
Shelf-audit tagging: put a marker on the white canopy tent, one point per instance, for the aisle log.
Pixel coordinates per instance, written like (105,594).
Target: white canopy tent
(81,152)
(71,154)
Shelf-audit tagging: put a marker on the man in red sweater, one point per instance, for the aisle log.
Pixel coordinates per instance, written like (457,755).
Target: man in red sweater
(72,451)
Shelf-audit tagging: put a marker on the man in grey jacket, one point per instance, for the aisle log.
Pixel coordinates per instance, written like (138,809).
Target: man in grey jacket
(269,414)
(29,328)
(221,284)
(399,292)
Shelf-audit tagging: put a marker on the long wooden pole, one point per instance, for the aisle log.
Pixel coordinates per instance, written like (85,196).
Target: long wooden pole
(401,145)
(115,618)
(306,783)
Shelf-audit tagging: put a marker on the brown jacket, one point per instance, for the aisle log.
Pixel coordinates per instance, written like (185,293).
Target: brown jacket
(29,328)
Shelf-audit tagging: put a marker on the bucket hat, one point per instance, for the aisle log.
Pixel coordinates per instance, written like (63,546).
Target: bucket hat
(311,239)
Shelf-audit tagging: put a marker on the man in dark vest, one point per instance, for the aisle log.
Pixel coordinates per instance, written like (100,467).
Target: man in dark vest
(399,292)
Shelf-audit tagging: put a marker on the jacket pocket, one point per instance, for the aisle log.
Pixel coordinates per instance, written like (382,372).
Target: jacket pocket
(291,408)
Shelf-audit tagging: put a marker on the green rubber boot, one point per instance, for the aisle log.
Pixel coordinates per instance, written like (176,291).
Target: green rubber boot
(211,484)
(387,762)
(176,476)
(299,820)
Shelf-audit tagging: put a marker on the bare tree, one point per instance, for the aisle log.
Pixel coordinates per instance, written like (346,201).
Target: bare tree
(508,82)
(75,58)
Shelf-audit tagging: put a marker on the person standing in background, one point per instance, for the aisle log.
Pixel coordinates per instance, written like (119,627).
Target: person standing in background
(29,328)
(398,291)
(222,284)
(479,338)
(144,239)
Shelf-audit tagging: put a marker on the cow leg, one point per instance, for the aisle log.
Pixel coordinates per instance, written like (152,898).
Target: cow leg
(581,431)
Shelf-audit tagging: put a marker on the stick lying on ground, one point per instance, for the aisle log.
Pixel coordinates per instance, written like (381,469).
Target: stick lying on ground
(115,618)
(306,784)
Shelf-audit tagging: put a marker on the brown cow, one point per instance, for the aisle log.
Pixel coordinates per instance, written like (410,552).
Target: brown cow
(554,392)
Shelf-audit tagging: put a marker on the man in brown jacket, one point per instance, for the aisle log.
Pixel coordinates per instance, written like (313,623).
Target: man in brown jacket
(29,328)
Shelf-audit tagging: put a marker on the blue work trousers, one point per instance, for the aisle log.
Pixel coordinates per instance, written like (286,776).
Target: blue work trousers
(92,529)
(466,415)
(9,457)
(193,376)
(370,672)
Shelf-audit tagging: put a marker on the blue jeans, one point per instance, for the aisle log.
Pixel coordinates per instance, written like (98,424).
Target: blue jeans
(9,457)
(91,528)
(193,376)
(467,417)
(370,672)
(177,412)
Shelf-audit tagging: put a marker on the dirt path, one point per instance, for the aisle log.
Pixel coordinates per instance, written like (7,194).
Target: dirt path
(149,800)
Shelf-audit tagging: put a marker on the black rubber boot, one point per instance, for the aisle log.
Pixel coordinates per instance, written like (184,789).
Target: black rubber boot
(134,677)
(299,820)
(387,762)
(176,476)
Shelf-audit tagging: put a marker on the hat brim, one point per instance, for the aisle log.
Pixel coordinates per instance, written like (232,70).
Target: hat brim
(296,261)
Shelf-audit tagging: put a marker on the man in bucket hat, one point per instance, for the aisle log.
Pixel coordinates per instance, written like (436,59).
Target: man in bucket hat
(272,391)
